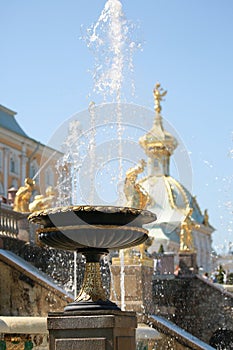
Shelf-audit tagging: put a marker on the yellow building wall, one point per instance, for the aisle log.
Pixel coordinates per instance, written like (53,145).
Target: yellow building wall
(40,157)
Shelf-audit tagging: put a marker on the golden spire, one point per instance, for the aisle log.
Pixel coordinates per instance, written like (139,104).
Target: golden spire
(158,143)
(159,93)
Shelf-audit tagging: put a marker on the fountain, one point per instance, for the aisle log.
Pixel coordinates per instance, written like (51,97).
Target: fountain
(95,229)
(92,231)
(80,167)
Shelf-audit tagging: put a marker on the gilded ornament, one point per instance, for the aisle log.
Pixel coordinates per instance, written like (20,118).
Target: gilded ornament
(23,195)
(206,218)
(92,288)
(186,237)
(42,202)
(136,195)
(159,93)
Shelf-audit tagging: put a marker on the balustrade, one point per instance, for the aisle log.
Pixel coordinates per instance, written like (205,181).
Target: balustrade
(23,333)
(9,221)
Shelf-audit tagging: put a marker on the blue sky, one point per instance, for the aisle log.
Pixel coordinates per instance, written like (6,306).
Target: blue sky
(187,46)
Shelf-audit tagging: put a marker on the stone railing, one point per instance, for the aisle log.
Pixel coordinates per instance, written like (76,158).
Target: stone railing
(23,333)
(174,337)
(9,220)
(184,300)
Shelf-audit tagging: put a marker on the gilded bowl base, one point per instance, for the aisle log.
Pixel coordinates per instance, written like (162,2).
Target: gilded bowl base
(92,295)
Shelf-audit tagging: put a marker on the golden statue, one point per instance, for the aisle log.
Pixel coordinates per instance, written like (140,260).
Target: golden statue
(159,93)
(186,237)
(136,196)
(23,195)
(206,218)
(42,202)
(37,203)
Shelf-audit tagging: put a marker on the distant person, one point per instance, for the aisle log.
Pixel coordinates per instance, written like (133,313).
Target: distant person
(221,274)
(213,277)
(205,276)
(177,270)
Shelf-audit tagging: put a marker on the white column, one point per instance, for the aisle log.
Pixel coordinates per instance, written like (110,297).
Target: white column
(23,163)
(6,170)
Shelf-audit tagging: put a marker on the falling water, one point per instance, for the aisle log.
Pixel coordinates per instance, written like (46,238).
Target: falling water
(44,165)
(92,148)
(109,39)
(122,279)
(68,166)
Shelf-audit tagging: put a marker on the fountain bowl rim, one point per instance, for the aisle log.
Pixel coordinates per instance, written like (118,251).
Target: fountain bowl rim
(145,215)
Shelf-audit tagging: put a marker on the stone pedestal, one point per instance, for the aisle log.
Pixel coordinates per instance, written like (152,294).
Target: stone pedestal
(164,263)
(138,275)
(188,263)
(98,330)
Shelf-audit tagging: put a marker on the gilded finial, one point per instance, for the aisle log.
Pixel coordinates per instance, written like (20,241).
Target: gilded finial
(159,93)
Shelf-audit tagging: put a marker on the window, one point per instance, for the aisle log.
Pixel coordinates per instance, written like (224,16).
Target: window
(49,177)
(14,164)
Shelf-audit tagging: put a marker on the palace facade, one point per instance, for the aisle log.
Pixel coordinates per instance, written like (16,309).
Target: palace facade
(21,156)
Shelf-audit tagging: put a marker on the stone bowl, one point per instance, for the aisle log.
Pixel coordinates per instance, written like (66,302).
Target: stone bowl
(98,227)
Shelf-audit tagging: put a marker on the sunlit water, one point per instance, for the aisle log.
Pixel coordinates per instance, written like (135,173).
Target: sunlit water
(110,41)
